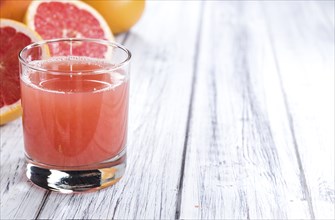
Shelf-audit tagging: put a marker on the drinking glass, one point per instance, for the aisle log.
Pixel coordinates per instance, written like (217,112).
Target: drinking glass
(74,95)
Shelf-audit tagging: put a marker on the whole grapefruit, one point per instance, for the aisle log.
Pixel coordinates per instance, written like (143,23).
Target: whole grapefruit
(120,15)
(13,9)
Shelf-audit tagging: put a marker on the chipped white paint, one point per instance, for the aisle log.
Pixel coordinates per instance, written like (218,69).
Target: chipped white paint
(231,117)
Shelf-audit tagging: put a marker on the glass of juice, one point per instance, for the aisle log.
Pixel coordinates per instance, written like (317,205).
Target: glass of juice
(74,95)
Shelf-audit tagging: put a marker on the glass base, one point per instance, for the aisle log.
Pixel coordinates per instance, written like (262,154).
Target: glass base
(76,179)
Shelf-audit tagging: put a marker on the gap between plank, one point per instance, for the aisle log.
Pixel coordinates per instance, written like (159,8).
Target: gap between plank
(125,38)
(44,199)
(189,114)
(302,177)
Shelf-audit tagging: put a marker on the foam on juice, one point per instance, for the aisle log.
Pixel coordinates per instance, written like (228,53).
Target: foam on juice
(94,73)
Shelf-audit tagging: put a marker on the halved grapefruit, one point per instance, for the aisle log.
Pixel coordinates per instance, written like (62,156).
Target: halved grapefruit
(68,19)
(14,36)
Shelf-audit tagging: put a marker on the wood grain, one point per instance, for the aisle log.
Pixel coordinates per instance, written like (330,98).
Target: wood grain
(241,161)
(231,117)
(306,69)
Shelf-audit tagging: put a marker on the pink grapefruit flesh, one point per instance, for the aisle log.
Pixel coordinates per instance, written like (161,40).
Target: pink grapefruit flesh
(9,64)
(75,19)
(14,36)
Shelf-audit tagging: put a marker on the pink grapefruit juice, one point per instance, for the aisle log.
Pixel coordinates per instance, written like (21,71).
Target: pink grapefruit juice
(74,118)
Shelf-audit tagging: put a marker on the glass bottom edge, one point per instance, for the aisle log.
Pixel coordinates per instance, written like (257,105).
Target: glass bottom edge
(73,180)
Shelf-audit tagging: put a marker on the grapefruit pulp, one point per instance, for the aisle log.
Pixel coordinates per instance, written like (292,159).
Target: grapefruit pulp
(71,19)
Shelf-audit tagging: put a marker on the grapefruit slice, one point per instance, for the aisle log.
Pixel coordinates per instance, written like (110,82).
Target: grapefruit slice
(14,36)
(69,19)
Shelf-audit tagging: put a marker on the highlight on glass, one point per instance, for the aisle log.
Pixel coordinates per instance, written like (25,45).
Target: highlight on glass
(74,95)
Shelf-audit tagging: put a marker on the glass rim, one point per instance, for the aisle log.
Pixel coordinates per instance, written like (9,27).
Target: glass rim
(96,71)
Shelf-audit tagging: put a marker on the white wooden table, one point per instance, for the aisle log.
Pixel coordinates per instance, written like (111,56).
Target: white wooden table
(231,117)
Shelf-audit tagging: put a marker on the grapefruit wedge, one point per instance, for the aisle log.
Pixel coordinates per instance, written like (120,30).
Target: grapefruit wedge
(14,36)
(53,19)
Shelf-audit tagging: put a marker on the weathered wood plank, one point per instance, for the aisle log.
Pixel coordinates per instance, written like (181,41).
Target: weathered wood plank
(163,51)
(303,44)
(241,161)
(260,140)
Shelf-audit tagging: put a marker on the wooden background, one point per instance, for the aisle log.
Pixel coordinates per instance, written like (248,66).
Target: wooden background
(231,117)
